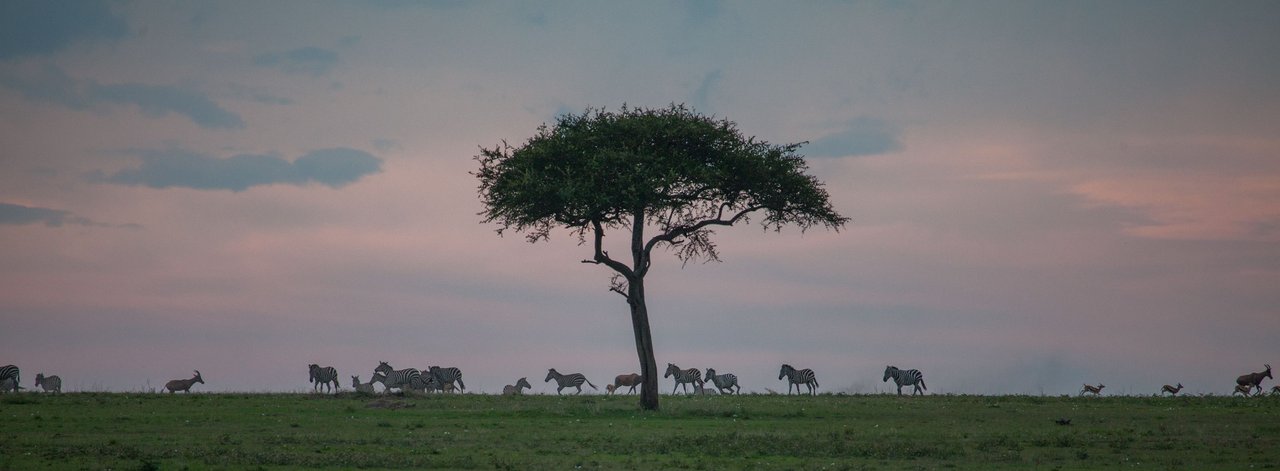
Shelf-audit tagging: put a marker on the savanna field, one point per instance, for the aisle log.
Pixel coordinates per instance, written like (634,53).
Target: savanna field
(139,431)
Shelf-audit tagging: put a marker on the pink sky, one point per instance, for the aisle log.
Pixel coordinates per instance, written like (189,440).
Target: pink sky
(1043,194)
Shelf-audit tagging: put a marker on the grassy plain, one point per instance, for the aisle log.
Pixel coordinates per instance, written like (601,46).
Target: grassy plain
(310,431)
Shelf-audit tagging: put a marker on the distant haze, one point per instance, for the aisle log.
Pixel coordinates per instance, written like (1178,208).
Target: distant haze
(1043,193)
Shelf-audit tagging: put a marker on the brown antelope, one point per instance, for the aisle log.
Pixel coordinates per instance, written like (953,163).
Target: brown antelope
(517,389)
(1243,390)
(1254,380)
(1275,390)
(1171,389)
(1096,390)
(631,380)
(184,384)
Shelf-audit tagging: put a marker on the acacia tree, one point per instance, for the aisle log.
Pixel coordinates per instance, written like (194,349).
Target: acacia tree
(664,177)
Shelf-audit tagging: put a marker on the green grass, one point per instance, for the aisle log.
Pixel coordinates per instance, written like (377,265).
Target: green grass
(308,431)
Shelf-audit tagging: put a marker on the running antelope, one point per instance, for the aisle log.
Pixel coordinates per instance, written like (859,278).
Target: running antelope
(184,384)
(1171,389)
(1254,380)
(1096,390)
(1243,390)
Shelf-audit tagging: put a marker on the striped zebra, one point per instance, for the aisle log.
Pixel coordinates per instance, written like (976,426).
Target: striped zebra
(684,377)
(797,377)
(516,389)
(448,375)
(399,379)
(905,378)
(725,381)
(324,376)
(425,383)
(364,388)
(49,383)
(571,379)
(10,372)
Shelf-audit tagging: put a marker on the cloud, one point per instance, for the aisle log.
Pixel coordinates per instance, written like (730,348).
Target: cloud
(335,167)
(52,85)
(311,61)
(862,136)
(38,27)
(19,215)
(702,96)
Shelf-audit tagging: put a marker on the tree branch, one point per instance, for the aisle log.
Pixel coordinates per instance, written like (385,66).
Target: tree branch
(602,256)
(681,231)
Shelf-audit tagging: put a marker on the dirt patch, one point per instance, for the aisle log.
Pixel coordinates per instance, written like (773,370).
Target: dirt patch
(389,404)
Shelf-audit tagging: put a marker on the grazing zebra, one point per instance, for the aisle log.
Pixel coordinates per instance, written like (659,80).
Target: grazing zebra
(10,372)
(518,389)
(425,383)
(571,379)
(905,378)
(8,384)
(448,375)
(797,377)
(1096,390)
(1173,390)
(632,380)
(323,376)
(364,388)
(684,377)
(1254,380)
(399,379)
(184,384)
(724,381)
(49,383)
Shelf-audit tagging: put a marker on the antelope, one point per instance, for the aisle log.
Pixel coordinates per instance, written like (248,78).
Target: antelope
(184,384)
(1243,390)
(632,380)
(1096,390)
(1254,380)
(1171,389)
(517,389)
(1275,390)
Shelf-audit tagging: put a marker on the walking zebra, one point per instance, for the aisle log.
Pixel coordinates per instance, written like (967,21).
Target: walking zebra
(571,379)
(323,376)
(448,375)
(49,383)
(10,372)
(724,381)
(797,377)
(399,379)
(517,389)
(684,377)
(905,378)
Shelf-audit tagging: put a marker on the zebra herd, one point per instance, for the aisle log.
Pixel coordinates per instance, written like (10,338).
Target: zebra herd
(449,379)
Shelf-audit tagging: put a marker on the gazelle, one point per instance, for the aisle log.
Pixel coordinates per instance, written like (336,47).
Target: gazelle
(1096,390)
(1171,389)
(1243,390)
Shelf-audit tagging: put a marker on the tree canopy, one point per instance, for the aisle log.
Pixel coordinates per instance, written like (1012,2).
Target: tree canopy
(671,171)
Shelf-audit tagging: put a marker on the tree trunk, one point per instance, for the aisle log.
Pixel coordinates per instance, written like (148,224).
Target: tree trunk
(644,344)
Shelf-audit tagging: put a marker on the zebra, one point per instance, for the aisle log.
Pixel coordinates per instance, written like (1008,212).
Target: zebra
(571,379)
(724,381)
(49,383)
(425,383)
(394,378)
(323,376)
(10,372)
(364,388)
(448,375)
(684,377)
(8,384)
(184,384)
(517,389)
(905,377)
(797,377)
